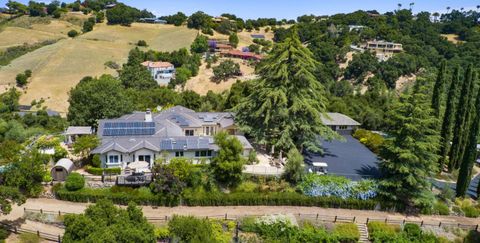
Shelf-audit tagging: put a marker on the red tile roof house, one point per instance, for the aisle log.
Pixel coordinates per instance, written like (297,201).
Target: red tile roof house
(242,55)
(162,72)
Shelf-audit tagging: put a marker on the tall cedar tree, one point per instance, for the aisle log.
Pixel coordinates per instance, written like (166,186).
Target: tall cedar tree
(285,108)
(227,166)
(410,152)
(465,173)
(438,89)
(448,118)
(462,121)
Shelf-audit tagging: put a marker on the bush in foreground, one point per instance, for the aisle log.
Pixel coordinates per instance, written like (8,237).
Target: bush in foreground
(74,182)
(72,33)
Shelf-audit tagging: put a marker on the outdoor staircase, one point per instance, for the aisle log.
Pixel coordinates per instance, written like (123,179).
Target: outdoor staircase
(362,228)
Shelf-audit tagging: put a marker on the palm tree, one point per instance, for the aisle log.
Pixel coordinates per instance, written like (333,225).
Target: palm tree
(399,6)
(411,6)
(461,9)
(478,7)
(448,9)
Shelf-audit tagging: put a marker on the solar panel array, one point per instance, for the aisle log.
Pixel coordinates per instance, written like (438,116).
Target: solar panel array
(128,128)
(180,120)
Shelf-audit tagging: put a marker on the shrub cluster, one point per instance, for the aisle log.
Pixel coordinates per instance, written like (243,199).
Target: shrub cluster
(276,199)
(99,171)
(337,186)
(122,198)
(381,232)
(372,140)
(74,182)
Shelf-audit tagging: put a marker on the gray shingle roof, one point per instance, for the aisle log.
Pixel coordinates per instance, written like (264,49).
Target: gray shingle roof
(169,134)
(338,119)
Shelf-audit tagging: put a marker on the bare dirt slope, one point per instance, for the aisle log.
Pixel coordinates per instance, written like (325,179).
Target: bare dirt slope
(202,83)
(59,67)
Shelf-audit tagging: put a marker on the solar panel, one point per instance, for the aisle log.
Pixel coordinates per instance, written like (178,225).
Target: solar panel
(128,128)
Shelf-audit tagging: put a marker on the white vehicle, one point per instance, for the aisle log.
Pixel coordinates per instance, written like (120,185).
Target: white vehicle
(320,168)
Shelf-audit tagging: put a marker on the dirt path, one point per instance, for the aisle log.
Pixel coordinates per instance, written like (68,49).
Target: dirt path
(361,215)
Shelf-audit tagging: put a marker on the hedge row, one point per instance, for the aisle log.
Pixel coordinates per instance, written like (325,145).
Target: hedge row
(276,199)
(88,195)
(99,171)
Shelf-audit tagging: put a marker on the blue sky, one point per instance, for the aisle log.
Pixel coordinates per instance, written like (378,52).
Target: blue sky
(289,9)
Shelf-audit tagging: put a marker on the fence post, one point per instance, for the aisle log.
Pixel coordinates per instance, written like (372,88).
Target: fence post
(421,224)
(476,228)
(335,219)
(59,239)
(403,221)
(41,211)
(166,218)
(59,213)
(38,233)
(236,233)
(15,229)
(316,218)
(386,219)
(354,217)
(440,224)
(368,219)
(225,216)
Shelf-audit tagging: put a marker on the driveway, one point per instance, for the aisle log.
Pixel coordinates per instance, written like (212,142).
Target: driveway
(347,158)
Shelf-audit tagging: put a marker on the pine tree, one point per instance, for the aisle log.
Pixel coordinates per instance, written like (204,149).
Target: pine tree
(462,121)
(285,108)
(465,173)
(438,89)
(409,155)
(448,118)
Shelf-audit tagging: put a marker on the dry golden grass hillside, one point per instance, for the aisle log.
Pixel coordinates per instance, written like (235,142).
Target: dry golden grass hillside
(59,67)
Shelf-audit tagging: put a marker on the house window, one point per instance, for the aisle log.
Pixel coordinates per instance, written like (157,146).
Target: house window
(113,159)
(189,133)
(179,154)
(342,127)
(146,158)
(209,131)
(204,153)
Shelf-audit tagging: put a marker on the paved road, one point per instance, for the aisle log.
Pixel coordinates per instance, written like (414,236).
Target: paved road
(472,188)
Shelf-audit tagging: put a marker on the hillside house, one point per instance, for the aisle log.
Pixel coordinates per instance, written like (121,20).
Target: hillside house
(162,72)
(176,132)
(342,124)
(242,55)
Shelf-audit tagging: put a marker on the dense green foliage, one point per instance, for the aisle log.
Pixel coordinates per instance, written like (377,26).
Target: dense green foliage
(471,152)
(294,168)
(462,119)
(385,233)
(104,222)
(448,118)
(9,196)
(200,44)
(11,53)
(225,70)
(176,19)
(373,141)
(227,165)
(287,89)
(87,105)
(409,155)
(74,182)
(126,15)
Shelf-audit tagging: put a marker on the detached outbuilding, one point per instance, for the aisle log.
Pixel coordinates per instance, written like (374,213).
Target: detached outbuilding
(62,169)
(342,124)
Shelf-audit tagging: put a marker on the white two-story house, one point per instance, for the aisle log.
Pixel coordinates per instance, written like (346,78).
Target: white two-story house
(176,132)
(162,72)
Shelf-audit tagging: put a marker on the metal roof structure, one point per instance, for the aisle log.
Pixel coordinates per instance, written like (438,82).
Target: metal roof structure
(72,130)
(338,119)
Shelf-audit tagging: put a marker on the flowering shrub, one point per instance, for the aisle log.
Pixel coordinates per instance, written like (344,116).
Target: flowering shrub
(336,186)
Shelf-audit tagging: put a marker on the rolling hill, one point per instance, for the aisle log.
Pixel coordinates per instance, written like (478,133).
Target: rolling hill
(59,67)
